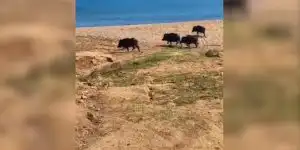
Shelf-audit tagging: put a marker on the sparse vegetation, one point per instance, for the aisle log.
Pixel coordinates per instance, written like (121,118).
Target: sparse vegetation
(177,89)
(164,97)
(148,61)
(188,88)
(127,75)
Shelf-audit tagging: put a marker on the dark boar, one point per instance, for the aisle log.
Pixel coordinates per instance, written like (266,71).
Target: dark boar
(171,37)
(189,39)
(199,29)
(129,42)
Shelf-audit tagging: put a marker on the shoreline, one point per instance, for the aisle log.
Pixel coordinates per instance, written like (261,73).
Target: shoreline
(142,24)
(149,24)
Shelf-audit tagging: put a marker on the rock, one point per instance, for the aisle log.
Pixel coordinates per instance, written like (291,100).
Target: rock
(79,101)
(92,118)
(109,59)
(212,53)
(83,97)
(89,116)
(86,59)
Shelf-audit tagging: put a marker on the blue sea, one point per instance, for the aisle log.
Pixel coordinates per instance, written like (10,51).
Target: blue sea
(91,13)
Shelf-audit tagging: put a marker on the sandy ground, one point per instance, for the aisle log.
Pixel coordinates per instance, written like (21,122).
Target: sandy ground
(150,35)
(124,116)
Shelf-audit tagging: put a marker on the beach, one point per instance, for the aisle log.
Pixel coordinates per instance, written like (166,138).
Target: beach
(160,98)
(152,33)
(104,39)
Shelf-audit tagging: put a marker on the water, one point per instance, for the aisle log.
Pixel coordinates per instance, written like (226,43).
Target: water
(91,13)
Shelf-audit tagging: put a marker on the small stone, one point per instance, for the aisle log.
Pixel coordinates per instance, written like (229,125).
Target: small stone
(89,116)
(109,59)
(79,101)
(83,97)
(92,118)
(212,53)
